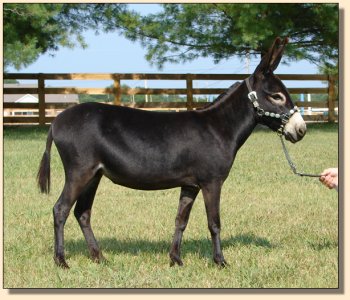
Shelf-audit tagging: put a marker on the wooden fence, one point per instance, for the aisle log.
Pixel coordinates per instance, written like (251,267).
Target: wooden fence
(117,91)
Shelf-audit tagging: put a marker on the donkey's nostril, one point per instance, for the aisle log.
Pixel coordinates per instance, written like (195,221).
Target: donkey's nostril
(301,130)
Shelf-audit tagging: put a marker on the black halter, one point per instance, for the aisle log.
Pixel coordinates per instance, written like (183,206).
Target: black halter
(260,112)
(285,118)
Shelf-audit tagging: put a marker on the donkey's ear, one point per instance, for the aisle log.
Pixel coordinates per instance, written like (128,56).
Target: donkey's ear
(272,58)
(276,58)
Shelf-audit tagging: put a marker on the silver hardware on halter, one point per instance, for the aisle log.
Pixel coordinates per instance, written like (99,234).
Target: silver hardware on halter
(284,118)
(253,97)
(260,111)
(280,130)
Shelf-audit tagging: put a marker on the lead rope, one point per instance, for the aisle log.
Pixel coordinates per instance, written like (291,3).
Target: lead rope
(252,96)
(292,165)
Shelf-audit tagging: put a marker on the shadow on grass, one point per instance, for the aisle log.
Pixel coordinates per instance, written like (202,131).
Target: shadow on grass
(201,247)
(324,245)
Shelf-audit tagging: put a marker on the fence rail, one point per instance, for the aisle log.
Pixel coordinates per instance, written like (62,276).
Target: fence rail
(117,91)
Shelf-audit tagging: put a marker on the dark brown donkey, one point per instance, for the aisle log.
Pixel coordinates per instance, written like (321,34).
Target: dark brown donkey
(145,150)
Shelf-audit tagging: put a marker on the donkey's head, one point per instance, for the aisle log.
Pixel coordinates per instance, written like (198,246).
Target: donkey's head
(271,99)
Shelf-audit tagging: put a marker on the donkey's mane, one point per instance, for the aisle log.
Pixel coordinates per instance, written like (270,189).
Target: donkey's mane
(222,96)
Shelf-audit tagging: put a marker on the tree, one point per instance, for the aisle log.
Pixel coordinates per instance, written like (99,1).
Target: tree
(33,29)
(177,34)
(183,32)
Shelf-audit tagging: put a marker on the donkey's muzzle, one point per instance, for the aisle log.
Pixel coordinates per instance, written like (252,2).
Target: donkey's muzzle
(295,129)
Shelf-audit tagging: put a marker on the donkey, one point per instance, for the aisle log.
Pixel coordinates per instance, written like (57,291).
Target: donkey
(146,150)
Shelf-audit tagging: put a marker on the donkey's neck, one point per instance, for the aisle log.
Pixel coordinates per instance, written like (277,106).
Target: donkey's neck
(234,116)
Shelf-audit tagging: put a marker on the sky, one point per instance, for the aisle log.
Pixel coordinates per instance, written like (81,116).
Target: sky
(112,53)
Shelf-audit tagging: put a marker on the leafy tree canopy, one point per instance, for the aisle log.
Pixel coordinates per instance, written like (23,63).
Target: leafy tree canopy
(183,32)
(33,29)
(179,32)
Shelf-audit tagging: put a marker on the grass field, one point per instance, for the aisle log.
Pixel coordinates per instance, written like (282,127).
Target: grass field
(278,230)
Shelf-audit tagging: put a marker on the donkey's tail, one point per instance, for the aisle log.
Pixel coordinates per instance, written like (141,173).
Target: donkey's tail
(43,176)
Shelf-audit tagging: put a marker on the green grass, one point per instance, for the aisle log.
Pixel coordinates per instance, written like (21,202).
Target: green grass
(278,230)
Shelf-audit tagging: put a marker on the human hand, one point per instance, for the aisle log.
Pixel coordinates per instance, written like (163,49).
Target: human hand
(329,178)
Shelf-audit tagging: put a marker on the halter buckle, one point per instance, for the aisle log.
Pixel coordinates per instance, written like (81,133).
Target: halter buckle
(253,96)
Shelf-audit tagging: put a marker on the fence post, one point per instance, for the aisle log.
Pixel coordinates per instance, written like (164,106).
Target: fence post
(331,99)
(41,96)
(117,90)
(189,87)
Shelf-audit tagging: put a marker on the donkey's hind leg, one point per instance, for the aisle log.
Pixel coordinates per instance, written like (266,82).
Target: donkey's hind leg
(82,213)
(75,184)
(60,214)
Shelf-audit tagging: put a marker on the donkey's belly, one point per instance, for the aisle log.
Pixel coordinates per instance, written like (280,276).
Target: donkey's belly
(143,179)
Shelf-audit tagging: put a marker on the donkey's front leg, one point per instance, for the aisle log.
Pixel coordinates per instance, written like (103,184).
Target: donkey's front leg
(211,194)
(187,197)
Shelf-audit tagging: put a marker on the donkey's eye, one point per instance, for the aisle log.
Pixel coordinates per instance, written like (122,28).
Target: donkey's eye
(277,98)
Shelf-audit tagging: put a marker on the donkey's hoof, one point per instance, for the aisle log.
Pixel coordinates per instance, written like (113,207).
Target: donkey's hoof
(97,257)
(60,262)
(224,264)
(99,260)
(221,263)
(175,259)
